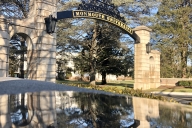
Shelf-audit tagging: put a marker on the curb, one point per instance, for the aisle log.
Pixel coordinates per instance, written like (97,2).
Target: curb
(173,93)
(9,78)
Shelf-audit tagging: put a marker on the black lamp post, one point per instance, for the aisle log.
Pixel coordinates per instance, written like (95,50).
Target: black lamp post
(50,23)
(148,47)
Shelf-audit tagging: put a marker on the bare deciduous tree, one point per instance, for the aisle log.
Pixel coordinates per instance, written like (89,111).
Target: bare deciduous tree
(14,8)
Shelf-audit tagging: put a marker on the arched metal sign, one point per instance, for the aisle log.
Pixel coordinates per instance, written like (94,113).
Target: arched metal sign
(95,9)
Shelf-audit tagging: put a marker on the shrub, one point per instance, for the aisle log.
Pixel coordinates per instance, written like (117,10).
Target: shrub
(61,76)
(68,75)
(185,83)
(190,83)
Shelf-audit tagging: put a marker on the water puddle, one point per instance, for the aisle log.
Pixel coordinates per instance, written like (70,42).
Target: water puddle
(88,110)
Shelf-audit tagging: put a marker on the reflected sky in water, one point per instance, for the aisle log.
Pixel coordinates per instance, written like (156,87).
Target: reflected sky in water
(87,110)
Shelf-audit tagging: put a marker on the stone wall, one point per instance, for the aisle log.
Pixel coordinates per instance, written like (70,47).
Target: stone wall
(4,47)
(172,81)
(146,65)
(154,69)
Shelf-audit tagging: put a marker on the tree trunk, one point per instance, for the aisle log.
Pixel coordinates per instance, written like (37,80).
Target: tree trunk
(93,55)
(184,64)
(93,73)
(22,67)
(22,58)
(103,82)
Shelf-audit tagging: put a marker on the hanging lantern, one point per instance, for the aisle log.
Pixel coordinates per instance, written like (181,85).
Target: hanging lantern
(50,23)
(148,47)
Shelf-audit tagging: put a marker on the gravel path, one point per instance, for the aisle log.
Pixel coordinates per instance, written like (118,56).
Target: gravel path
(10,85)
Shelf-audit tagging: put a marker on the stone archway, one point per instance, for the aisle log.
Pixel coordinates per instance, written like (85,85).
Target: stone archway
(42,46)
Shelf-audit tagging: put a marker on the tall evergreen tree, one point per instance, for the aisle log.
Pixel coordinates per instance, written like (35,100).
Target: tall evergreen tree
(106,55)
(174,31)
(71,32)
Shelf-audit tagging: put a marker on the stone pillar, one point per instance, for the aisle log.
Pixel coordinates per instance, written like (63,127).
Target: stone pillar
(141,63)
(42,55)
(4,47)
(5,117)
(154,69)
(42,109)
(145,109)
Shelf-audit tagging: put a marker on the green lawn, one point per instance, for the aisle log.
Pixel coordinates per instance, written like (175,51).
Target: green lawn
(122,84)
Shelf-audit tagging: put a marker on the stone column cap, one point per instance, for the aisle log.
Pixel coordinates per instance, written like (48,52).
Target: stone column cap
(142,28)
(2,18)
(155,52)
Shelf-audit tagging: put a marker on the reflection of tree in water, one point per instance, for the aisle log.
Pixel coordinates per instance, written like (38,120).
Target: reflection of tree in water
(176,117)
(96,111)
(19,111)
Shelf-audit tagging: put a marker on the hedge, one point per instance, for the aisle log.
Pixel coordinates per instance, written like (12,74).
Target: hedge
(184,83)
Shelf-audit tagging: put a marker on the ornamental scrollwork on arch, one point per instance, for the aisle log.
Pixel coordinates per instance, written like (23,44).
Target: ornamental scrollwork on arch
(102,6)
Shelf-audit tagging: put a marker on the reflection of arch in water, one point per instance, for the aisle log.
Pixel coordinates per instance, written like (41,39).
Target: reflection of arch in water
(94,110)
(19,110)
(40,109)
(144,109)
(20,117)
(5,120)
(42,106)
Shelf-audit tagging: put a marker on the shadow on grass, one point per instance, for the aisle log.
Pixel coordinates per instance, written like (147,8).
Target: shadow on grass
(128,84)
(120,84)
(71,82)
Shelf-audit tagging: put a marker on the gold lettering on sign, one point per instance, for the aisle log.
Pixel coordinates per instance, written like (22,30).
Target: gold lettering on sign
(84,14)
(96,15)
(100,16)
(77,13)
(81,14)
(119,23)
(89,14)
